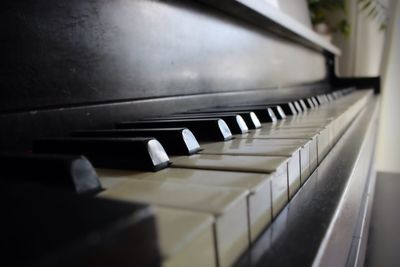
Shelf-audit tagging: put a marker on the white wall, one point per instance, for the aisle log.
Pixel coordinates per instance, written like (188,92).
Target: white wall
(347,44)
(362,49)
(369,43)
(388,148)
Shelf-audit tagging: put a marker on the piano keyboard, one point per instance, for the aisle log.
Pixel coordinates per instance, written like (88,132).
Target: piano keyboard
(228,206)
(214,191)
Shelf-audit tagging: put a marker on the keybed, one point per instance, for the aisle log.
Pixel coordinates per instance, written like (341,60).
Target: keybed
(222,188)
(284,166)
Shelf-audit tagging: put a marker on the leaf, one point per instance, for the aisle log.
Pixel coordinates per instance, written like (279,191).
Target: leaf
(344,27)
(375,14)
(370,12)
(366,5)
(373,9)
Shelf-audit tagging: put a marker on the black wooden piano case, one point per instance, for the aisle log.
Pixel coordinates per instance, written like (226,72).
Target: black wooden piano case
(71,64)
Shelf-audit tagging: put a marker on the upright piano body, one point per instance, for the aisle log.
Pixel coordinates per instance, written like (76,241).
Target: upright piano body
(70,65)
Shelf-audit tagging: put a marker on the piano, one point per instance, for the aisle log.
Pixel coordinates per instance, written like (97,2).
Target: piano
(180,133)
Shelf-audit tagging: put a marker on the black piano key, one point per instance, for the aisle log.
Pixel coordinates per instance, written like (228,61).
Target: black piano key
(303,105)
(212,129)
(336,94)
(325,98)
(309,103)
(288,108)
(176,141)
(50,227)
(328,97)
(126,153)
(264,114)
(249,118)
(235,122)
(238,121)
(280,114)
(261,114)
(72,173)
(271,115)
(315,101)
(320,100)
(297,106)
(261,111)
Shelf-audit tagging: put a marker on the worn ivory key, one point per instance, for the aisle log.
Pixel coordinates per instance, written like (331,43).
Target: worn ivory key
(258,186)
(227,205)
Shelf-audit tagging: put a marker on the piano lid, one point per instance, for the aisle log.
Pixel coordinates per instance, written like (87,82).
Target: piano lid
(261,13)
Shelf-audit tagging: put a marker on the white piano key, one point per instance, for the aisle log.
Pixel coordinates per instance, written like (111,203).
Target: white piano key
(279,142)
(186,238)
(284,124)
(258,185)
(313,154)
(305,162)
(266,131)
(312,137)
(111,177)
(323,144)
(276,166)
(308,119)
(260,147)
(227,205)
(305,153)
(323,137)
(285,132)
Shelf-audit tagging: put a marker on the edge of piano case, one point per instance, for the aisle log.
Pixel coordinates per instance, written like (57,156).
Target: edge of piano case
(30,120)
(327,221)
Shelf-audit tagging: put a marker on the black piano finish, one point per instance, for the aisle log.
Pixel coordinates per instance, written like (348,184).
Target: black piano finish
(66,53)
(72,173)
(49,227)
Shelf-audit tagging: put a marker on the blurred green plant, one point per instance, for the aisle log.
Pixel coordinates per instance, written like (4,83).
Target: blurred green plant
(320,10)
(375,10)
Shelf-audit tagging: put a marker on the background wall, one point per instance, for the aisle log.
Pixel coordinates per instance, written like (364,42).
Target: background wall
(370,41)
(388,150)
(362,49)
